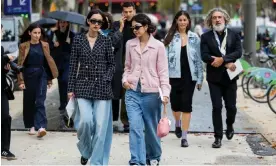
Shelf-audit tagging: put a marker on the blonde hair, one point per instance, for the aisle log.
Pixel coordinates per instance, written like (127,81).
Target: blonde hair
(208,19)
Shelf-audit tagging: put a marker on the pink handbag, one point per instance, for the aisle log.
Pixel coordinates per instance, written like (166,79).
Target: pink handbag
(163,127)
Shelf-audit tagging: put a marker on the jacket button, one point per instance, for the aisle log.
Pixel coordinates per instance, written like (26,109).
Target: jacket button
(86,78)
(96,79)
(86,66)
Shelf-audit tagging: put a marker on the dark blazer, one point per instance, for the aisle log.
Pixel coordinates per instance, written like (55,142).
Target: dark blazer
(116,38)
(118,43)
(96,68)
(209,47)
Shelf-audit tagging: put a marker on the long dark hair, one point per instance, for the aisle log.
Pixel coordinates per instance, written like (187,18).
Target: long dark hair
(26,37)
(174,27)
(144,20)
(97,11)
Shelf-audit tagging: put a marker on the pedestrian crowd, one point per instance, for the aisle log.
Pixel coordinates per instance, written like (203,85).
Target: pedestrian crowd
(124,70)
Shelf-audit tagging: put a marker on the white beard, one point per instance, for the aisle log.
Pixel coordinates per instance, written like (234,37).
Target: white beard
(219,28)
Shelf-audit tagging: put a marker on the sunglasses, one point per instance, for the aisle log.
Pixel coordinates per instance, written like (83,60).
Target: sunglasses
(99,22)
(136,27)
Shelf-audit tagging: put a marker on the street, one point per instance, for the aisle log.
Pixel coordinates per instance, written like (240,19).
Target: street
(252,145)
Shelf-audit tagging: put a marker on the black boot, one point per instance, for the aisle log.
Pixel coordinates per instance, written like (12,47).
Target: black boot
(217,143)
(229,132)
(83,161)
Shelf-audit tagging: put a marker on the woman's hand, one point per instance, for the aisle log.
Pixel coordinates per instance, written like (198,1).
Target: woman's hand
(165,100)
(127,85)
(70,94)
(22,86)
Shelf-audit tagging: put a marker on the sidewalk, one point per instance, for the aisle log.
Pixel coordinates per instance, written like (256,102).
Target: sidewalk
(259,114)
(58,148)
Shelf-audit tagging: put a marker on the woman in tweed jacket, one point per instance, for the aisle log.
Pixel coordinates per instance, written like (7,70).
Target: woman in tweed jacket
(91,70)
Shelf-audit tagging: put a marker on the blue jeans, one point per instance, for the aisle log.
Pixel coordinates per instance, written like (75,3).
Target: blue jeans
(144,113)
(34,96)
(95,130)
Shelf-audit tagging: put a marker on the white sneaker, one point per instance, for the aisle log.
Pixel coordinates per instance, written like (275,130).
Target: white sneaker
(41,133)
(32,131)
(154,162)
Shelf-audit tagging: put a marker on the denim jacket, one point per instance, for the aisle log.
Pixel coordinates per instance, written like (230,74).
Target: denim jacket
(194,57)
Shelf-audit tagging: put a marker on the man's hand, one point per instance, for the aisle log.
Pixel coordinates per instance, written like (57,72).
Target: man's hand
(7,67)
(11,57)
(122,23)
(217,61)
(56,44)
(231,66)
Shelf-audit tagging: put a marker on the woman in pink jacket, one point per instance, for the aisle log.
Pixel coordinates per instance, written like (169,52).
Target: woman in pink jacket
(146,70)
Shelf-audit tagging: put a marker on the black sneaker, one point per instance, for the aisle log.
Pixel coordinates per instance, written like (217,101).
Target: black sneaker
(184,143)
(178,132)
(7,155)
(83,161)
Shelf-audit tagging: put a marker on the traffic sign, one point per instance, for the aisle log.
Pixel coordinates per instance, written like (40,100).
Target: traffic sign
(17,7)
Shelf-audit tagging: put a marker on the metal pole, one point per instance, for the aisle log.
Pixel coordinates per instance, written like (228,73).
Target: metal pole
(109,6)
(249,7)
(85,7)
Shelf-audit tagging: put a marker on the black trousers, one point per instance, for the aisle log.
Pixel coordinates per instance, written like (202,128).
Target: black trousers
(115,109)
(62,88)
(229,94)
(5,123)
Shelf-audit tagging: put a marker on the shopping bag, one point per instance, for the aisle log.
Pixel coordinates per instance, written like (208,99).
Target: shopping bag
(71,108)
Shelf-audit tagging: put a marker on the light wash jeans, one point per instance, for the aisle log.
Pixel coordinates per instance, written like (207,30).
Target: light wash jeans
(144,113)
(95,130)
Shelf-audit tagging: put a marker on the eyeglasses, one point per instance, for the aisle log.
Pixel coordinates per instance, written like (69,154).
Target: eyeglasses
(136,27)
(94,21)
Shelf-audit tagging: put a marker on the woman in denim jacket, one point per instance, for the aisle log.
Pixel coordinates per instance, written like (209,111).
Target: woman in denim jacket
(185,71)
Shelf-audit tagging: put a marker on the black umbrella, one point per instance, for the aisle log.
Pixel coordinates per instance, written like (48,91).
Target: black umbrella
(46,22)
(71,17)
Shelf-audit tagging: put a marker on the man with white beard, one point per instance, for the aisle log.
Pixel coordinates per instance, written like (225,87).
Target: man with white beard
(220,48)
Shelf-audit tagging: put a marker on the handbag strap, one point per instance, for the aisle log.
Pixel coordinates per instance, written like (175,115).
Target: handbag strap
(165,111)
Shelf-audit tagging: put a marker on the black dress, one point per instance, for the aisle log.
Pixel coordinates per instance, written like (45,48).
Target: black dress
(181,96)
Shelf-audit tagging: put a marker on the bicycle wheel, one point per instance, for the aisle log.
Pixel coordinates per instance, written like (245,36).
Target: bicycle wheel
(271,98)
(243,84)
(257,91)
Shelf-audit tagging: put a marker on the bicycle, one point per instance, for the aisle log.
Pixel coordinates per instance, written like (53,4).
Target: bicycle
(258,85)
(271,97)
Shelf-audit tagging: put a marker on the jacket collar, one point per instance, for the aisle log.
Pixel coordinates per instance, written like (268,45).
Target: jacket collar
(190,34)
(136,43)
